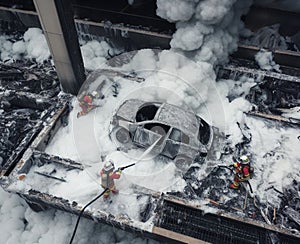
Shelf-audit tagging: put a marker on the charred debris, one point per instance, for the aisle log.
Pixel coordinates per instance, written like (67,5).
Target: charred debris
(274,93)
(29,97)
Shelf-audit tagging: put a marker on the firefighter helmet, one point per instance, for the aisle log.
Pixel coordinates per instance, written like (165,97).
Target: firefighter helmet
(95,94)
(244,159)
(109,165)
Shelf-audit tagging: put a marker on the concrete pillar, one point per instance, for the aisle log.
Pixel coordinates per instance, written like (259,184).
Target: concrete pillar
(56,17)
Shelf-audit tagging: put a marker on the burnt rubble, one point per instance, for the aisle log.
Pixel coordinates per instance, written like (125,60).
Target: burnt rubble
(269,37)
(290,207)
(274,93)
(242,202)
(30,77)
(28,95)
(214,189)
(14,126)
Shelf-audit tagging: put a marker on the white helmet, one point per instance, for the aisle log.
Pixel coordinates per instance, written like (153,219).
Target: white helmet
(95,94)
(109,165)
(244,159)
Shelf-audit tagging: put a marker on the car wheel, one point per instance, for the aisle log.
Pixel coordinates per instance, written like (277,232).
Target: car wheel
(122,135)
(183,162)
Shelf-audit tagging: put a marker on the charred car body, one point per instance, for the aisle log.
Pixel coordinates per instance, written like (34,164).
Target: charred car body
(177,134)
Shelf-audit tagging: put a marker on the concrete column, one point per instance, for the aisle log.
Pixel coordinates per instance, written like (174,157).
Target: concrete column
(56,17)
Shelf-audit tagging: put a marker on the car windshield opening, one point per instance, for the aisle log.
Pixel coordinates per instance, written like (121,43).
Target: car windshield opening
(146,113)
(204,132)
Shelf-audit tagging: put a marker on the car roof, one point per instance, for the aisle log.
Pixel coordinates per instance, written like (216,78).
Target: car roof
(176,117)
(169,114)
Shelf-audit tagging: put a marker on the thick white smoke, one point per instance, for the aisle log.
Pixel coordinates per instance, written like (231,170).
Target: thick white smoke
(175,10)
(207,30)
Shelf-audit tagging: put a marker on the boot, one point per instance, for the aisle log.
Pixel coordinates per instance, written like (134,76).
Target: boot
(79,114)
(233,186)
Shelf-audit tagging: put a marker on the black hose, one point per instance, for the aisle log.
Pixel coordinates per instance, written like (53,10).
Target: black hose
(77,223)
(250,187)
(224,166)
(227,167)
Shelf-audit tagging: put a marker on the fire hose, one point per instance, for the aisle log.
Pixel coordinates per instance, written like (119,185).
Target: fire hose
(95,199)
(254,197)
(101,194)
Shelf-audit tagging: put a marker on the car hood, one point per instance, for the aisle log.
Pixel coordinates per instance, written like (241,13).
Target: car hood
(129,109)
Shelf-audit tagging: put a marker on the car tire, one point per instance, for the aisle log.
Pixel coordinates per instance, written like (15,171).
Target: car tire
(183,162)
(122,135)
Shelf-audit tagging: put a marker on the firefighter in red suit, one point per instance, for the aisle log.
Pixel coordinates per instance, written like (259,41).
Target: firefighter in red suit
(242,171)
(108,175)
(86,103)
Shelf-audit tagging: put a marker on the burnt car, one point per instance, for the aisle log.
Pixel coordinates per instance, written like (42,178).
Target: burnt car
(179,134)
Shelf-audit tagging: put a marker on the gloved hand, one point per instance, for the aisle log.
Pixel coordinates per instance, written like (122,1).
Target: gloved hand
(119,171)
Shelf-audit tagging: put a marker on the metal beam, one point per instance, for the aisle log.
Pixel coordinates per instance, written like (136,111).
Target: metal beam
(57,21)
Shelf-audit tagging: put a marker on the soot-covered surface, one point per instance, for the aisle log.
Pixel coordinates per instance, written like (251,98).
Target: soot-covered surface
(26,91)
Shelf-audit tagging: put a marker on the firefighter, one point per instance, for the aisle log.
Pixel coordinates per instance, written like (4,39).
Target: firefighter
(108,175)
(86,103)
(242,171)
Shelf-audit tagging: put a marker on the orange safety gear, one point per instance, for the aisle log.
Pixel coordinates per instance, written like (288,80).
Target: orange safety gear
(88,99)
(86,104)
(242,173)
(108,175)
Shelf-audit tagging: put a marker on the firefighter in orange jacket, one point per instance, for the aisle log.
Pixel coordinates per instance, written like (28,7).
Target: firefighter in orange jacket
(86,103)
(108,175)
(242,171)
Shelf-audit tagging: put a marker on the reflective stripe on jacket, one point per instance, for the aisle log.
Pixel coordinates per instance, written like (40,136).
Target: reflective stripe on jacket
(107,178)
(242,171)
